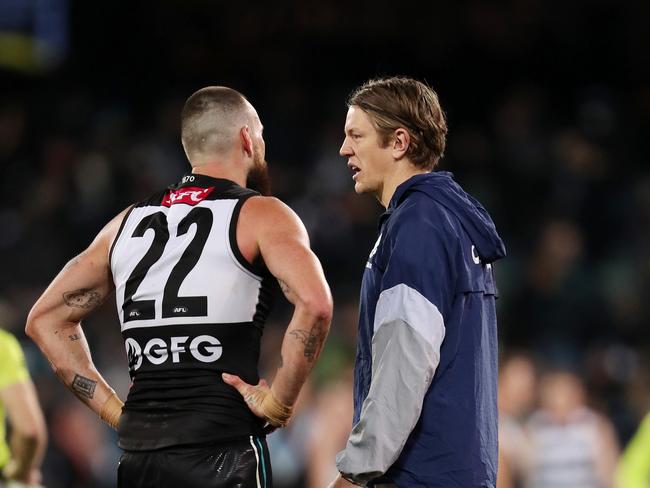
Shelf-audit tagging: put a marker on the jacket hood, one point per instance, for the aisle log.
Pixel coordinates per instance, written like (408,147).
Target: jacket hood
(441,187)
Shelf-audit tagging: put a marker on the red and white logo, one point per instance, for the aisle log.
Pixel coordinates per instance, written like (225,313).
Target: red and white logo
(190,195)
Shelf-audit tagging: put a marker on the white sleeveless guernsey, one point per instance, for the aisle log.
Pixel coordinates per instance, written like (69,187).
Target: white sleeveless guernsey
(190,308)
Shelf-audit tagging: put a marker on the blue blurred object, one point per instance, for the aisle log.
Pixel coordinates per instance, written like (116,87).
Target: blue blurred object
(33,34)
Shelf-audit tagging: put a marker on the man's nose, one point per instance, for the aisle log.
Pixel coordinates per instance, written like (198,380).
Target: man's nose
(345,150)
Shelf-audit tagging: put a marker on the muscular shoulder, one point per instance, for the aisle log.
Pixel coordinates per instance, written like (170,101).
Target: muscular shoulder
(261,206)
(110,231)
(267,221)
(269,213)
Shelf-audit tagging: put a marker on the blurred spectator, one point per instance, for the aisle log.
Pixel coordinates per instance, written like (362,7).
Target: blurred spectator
(21,458)
(332,422)
(517,394)
(634,467)
(86,451)
(288,447)
(558,296)
(572,445)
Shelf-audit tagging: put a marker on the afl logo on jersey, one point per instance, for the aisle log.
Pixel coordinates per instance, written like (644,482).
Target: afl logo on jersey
(203,348)
(190,195)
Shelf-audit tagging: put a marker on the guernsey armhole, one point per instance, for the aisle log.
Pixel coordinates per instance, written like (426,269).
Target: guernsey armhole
(117,236)
(235,252)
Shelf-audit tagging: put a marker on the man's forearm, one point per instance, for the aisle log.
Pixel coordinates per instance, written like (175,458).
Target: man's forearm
(302,344)
(65,347)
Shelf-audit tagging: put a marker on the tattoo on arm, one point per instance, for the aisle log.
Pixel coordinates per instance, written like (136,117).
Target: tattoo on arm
(312,341)
(83,387)
(74,337)
(281,362)
(82,298)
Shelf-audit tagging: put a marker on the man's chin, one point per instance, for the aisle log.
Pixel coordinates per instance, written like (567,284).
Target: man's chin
(360,188)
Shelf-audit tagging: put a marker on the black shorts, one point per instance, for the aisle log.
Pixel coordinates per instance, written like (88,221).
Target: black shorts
(240,463)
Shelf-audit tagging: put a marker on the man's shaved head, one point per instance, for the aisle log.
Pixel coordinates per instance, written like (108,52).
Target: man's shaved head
(211,121)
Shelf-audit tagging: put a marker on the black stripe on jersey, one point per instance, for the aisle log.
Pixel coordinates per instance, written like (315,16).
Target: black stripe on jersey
(119,232)
(178,395)
(256,268)
(264,301)
(165,351)
(154,200)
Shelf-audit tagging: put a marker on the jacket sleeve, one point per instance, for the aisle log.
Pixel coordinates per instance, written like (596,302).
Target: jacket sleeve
(409,328)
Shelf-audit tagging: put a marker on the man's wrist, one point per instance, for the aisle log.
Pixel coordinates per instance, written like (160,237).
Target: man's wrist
(276,413)
(111,411)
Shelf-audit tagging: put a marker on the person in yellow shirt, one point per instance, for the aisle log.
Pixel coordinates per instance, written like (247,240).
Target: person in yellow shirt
(21,457)
(634,467)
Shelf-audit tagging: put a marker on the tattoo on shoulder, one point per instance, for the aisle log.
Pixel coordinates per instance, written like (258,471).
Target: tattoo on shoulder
(83,387)
(74,337)
(82,298)
(312,341)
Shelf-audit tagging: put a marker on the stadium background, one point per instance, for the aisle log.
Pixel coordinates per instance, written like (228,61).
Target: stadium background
(548,106)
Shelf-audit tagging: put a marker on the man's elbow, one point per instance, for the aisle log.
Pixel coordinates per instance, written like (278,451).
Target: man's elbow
(321,308)
(34,324)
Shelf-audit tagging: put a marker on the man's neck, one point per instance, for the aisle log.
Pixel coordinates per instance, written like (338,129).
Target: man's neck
(403,172)
(227,171)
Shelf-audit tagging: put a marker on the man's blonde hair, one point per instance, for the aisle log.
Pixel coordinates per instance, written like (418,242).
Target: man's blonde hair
(400,102)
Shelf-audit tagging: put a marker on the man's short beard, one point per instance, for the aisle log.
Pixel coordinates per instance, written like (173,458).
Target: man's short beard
(258,178)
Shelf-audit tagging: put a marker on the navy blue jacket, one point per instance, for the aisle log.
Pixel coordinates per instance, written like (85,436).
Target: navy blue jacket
(425,404)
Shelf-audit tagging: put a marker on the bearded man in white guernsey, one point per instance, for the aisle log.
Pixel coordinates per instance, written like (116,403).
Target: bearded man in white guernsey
(190,267)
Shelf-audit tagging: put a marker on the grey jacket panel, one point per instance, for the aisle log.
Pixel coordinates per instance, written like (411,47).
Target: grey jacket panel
(403,365)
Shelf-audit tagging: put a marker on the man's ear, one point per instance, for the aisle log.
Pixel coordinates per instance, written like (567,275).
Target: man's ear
(401,142)
(246,141)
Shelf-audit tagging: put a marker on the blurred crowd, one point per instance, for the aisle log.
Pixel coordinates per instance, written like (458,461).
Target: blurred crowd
(555,146)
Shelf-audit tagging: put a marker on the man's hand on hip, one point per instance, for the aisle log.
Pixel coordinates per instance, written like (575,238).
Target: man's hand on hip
(261,401)
(253,394)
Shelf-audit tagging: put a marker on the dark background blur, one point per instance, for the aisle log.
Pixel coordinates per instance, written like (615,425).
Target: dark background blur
(548,105)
